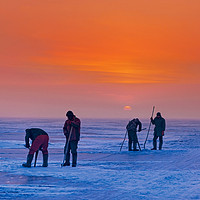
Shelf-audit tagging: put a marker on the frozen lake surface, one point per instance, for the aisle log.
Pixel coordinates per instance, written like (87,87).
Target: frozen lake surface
(103,172)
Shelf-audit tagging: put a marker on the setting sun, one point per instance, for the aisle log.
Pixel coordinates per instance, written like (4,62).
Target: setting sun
(127,108)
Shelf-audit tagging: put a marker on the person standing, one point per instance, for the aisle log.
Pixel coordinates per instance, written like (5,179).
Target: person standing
(71,131)
(132,133)
(159,129)
(40,141)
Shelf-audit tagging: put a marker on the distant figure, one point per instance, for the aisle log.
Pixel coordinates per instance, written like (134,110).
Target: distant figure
(132,133)
(159,129)
(71,131)
(40,141)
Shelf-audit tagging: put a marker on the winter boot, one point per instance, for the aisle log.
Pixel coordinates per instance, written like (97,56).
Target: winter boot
(67,161)
(66,164)
(160,143)
(154,145)
(135,146)
(29,160)
(135,149)
(74,159)
(130,146)
(45,160)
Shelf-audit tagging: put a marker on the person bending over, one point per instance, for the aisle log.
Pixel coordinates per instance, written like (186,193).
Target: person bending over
(40,141)
(132,133)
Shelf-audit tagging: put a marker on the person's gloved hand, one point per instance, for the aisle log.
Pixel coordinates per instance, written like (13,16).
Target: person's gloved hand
(73,124)
(163,133)
(27,146)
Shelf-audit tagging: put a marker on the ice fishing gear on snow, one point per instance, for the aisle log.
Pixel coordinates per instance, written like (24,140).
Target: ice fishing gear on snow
(149,127)
(36,155)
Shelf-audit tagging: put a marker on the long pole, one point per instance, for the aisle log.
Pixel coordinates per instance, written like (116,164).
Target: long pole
(138,141)
(67,146)
(36,155)
(139,145)
(149,127)
(123,140)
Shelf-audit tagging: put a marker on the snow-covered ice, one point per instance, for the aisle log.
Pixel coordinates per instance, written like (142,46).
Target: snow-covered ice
(103,172)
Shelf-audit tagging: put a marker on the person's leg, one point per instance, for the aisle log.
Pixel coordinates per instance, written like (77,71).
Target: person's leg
(29,160)
(135,141)
(44,147)
(130,141)
(155,142)
(67,160)
(74,145)
(134,145)
(36,144)
(160,142)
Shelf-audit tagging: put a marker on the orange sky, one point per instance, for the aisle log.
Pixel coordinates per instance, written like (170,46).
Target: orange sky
(95,57)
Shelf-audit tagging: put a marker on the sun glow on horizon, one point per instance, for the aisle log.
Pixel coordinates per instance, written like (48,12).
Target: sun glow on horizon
(127,108)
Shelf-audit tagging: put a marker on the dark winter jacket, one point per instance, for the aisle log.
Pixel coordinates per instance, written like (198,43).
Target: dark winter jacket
(132,125)
(75,124)
(159,123)
(32,134)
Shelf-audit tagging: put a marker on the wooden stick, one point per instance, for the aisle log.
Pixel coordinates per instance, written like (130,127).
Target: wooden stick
(149,128)
(36,155)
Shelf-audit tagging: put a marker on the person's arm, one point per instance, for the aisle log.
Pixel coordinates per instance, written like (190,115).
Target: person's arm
(164,125)
(76,123)
(152,120)
(65,131)
(27,145)
(140,126)
(127,126)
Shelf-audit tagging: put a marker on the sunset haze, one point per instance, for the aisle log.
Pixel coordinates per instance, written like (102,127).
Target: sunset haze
(97,57)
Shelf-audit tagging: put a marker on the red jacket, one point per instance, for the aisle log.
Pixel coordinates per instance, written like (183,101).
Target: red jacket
(75,124)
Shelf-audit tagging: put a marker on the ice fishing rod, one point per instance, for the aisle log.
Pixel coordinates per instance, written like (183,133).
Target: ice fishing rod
(125,139)
(138,141)
(67,146)
(149,127)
